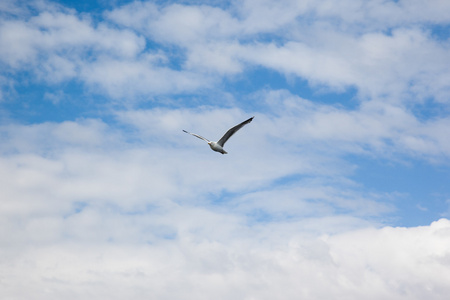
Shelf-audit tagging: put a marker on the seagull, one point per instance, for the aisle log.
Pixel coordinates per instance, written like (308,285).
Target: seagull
(218,146)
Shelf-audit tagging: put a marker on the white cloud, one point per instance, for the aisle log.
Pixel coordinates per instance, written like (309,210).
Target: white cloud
(406,63)
(52,33)
(395,259)
(91,209)
(380,14)
(373,127)
(60,46)
(214,255)
(179,24)
(132,79)
(400,60)
(9,7)
(90,161)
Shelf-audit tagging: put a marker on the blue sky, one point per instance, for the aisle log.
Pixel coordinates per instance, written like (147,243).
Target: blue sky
(341,180)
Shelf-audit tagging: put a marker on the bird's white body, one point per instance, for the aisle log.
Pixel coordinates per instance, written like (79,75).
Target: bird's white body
(218,146)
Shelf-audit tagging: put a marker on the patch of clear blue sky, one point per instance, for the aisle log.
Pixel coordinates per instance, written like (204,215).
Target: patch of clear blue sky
(35,102)
(92,6)
(419,190)
(441,32)
(430,109)
(98,6)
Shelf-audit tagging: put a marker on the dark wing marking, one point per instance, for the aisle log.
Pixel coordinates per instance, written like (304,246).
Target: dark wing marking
(199,136)
(232,131)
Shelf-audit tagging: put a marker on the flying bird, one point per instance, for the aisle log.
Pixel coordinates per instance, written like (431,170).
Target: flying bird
(218,146)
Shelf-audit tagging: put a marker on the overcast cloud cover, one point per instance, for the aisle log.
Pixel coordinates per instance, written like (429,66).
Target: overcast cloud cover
(338,189)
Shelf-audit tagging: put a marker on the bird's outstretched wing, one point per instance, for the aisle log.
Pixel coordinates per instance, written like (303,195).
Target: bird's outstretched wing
(199,136)
(232,131)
